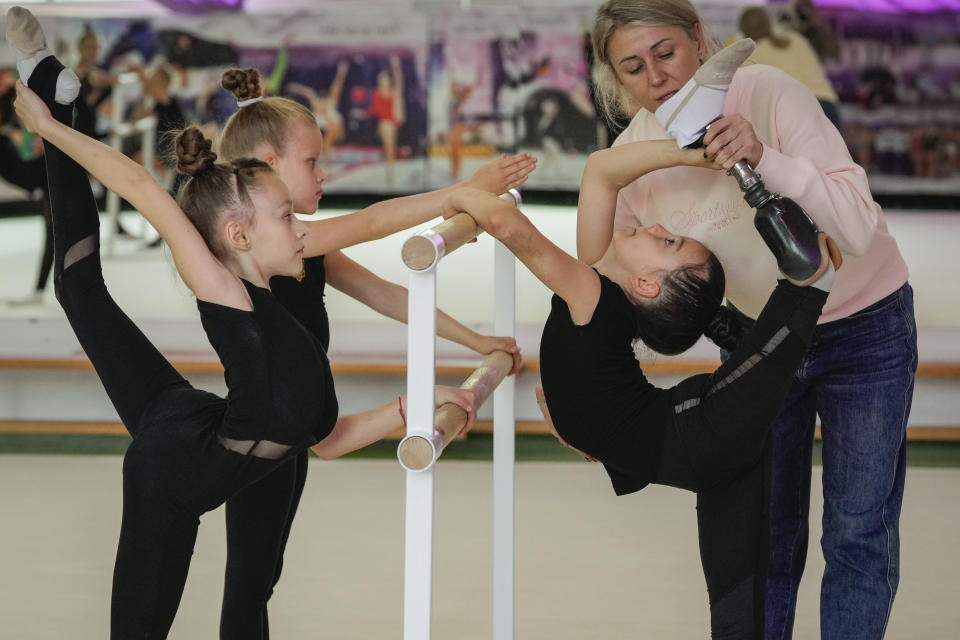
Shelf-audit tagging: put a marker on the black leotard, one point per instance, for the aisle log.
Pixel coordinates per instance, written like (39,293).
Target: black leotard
(191,450)
(706,434)
(259,517)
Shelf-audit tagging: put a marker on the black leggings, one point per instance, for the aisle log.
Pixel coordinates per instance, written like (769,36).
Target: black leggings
(716,445)
(174,470)
(259,517)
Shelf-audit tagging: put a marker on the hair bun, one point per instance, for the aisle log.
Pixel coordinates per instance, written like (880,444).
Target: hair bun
(194,155)
(724,329)
(244,84)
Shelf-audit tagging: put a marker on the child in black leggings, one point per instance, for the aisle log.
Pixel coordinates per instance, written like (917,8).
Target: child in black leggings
(191,449)
(706,434)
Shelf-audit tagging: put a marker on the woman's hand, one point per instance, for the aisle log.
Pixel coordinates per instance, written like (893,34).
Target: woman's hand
(542,402)
(463,398)
(732,139)
(503,174)
(31,110)
(489,344)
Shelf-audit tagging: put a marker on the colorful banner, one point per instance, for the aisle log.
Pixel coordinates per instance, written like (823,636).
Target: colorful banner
(410,101)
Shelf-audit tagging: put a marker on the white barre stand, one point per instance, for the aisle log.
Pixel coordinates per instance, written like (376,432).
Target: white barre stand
(428,433)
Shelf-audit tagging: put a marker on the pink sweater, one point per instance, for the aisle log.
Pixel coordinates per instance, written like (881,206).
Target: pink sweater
(804,158)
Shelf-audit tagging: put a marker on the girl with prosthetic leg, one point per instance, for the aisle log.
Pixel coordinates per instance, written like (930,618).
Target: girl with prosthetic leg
(705,434)
(191,449)
(285,135)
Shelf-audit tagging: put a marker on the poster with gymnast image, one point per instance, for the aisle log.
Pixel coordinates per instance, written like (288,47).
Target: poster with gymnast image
(361,75)
(508,80)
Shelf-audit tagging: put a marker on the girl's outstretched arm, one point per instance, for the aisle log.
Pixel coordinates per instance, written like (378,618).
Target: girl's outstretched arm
(391,300)
(574,281)
(201,271)
(609,170)
(358,430)
(390,216)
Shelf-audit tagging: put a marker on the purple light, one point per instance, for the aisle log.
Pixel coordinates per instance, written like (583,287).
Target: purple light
(894,6)
(195,7)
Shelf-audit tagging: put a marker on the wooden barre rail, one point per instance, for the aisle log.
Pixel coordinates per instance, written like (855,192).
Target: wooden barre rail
(422,251)
(941,433)
(348,368)
(418,451)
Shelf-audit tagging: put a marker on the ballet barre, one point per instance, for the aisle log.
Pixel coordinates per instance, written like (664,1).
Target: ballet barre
(425,249)
(418,451)
(430,430)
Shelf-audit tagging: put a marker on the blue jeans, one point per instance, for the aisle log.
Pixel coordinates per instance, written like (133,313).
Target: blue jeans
(858,376)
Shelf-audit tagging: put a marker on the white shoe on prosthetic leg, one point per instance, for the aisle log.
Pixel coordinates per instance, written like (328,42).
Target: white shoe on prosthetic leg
(700,101)
(26,35)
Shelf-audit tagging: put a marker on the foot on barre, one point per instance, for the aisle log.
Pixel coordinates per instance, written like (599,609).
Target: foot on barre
(26,35)
(688,113)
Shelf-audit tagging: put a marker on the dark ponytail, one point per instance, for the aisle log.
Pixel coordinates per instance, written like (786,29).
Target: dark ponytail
(244,84)
(688,304)
(724,329)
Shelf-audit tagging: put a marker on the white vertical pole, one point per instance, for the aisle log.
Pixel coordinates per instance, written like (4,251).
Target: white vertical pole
(504,324)
(147,144)
(418,537)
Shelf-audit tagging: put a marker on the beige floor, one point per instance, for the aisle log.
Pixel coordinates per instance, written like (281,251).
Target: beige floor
(589,565)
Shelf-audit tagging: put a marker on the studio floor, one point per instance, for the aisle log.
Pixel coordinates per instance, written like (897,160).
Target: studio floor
(588,564)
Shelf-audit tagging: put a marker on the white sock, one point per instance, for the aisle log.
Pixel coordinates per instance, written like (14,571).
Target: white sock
(68,84)
(825,281)
(691,118)
(700,101)
(27,62)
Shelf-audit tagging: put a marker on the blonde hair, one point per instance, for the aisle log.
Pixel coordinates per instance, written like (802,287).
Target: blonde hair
(755,23)
(267,121)
(614,14)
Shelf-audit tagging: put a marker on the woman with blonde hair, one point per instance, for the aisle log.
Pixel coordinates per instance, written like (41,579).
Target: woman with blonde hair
(858,376)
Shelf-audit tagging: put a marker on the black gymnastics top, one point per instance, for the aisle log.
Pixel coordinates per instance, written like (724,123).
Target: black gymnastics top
(278,377)
(304,299)
(598,397)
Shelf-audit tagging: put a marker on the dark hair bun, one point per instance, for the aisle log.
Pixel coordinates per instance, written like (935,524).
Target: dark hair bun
(193,152)
(244,84)
(724,329)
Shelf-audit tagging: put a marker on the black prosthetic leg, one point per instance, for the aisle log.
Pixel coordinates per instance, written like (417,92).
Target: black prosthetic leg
(793,237)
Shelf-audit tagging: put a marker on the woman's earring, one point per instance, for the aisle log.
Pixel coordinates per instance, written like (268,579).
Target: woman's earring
(303,272)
